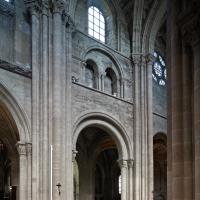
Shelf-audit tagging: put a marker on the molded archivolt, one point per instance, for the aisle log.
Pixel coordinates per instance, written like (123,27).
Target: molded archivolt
(155,19)
(110,126)
(17,113)
(117,67)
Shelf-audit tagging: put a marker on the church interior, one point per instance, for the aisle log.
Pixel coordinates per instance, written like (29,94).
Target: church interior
(99,100)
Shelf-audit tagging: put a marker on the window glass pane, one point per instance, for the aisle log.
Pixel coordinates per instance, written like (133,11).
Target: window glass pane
(96,9)
(90,18)
(90,25)
(91,32)
(90,11)
(102,32)
(96,28)
(96,35)
(161,61)
(97,23)
(162,82)
(102,19)
(102,25)
(165,74)
(102,38)
(158,69)
(155,54)
(96,14)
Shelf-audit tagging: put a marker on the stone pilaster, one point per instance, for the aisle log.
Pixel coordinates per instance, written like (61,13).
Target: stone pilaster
(130,179)
(34,8)
(21,148)
(58,96)
(143,126)
(124,176)
(69,28)
(29,169)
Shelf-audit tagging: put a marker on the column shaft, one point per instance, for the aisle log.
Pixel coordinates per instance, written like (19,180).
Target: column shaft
(196,118)
(57,105)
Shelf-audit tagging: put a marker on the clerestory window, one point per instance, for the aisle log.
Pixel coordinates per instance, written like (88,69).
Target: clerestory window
(159,70)
(96,24)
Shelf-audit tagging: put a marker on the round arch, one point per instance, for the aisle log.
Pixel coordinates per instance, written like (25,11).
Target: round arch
(16,111)
(109,55)
(108,124)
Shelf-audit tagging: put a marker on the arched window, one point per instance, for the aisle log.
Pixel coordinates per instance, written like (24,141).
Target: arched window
(159,70)
(110,82)
(96,24)
(89,76)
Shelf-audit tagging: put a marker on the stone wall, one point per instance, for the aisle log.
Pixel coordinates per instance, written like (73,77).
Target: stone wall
(15,33)
(159,108)
(90,100)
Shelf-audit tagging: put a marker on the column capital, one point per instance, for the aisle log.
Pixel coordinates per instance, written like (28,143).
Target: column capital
(21,148)
(130,163)
(123,163)
(74,153)
(34,7)
(29,148)
(59,6)
(45,8)
(136,59)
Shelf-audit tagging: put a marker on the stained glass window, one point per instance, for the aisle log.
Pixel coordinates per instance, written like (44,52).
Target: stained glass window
(159,73)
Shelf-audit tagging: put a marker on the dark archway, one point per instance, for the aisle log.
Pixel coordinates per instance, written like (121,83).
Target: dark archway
(98,167)
(9,159)
(160,166)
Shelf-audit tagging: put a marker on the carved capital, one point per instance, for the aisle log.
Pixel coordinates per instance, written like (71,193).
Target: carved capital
(130,163)
(123,163)
(59,6)
(29,148)
(21,148)
(45,8)
(74,153)
(34,7)
(136,59)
